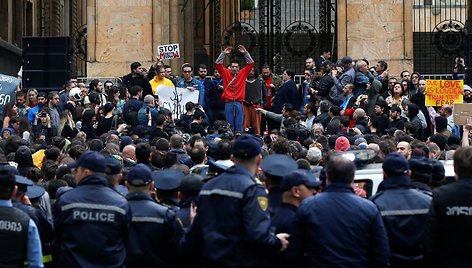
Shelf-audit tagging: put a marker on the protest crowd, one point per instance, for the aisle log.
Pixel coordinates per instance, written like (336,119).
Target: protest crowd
(251,174)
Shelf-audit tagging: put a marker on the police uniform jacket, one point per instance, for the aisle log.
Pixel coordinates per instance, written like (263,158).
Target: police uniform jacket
(92,223)
(183,214)
(282,222)
(45,228)
(275,199)
(232,225)
(154,234)
(404,213)
(448,235)
(338,229)
(283,218)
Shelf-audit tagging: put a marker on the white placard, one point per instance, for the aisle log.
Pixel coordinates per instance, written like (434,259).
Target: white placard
(175,98)
(168,52)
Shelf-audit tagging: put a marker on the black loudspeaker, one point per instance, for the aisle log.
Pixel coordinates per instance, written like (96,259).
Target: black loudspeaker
(46,62)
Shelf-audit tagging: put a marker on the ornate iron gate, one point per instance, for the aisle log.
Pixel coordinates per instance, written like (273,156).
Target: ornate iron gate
(439,34)
(280,33)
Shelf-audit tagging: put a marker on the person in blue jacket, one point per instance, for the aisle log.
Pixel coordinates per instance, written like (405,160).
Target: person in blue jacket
(232,225)
(287,93)
(403,212)
(337,228)
(155,233)
(92,220)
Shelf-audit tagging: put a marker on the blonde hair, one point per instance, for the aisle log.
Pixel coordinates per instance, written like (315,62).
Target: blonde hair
(27,95)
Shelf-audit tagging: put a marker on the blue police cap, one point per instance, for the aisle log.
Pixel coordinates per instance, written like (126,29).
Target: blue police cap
(113,166)
(296,178)
(22,180)
(278,164)
(139,175)
(168,179)
(395,164)
(421,166)
(92,160)
(246,146)
(7,177)
(214,169)
(34,192)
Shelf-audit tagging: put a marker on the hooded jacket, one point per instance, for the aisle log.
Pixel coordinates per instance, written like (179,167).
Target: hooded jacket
(373,95)
(24,159)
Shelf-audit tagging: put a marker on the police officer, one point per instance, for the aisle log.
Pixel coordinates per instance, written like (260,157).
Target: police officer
(232,225)
(403,212)
(189,189)
(421,174)
(337,228)
(19,237)
(27,199)
(155,233)
(91,218)
(296,186)
(274,167)
(448,237)
(166,183)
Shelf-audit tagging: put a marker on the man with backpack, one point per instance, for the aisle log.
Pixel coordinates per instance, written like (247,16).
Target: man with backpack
(132,106)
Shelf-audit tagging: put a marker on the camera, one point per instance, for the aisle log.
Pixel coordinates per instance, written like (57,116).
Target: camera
(43,114)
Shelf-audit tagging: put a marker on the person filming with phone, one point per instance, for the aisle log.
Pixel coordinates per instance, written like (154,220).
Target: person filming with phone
(42,127)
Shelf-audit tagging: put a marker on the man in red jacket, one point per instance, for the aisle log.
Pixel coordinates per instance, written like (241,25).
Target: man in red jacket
(234,84)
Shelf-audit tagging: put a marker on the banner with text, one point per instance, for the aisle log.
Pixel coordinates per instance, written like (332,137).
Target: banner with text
(8,85)
(440,92)
(175,98)
(168,52)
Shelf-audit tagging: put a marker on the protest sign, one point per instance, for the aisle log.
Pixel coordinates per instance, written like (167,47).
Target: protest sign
(8,85)
(175,98)
(440,92)
(168,52)
(461,112)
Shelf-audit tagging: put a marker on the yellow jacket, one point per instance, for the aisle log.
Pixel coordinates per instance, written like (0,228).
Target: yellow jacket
(164,81)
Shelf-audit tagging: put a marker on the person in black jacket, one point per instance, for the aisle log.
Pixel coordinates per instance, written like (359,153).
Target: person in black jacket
(135,78)
(323,82)
(396,120)
(196,125)
(447,234)
(158,131)
(42,125)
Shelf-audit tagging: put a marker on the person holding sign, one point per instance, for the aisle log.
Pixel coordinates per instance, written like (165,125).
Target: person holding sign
(191,83)
(160,79)
(234,83)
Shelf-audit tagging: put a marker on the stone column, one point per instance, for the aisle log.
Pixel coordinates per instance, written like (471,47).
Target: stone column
(376,30)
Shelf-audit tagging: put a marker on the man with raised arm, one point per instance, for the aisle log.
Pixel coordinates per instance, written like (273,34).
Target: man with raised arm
(234,84)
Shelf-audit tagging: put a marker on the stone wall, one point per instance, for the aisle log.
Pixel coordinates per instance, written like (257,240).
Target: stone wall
(124,31)
(377,30)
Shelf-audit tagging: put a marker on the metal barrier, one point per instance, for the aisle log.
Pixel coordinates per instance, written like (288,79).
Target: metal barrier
(299,78)
(115,80)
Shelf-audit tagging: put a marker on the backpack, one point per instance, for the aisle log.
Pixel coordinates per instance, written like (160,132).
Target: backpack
(130,116)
